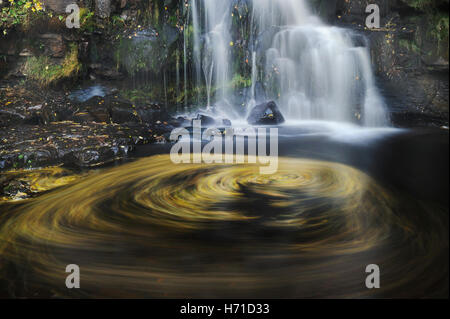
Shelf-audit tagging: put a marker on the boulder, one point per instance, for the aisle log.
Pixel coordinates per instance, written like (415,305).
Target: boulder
(53,45)
(8,118)
(206,120)
(227,122)
(103,8)
(59,6)
(265,114)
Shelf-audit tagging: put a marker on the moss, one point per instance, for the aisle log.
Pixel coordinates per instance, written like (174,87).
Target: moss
(87,20)
(425,5)
(137,57)
(409,45)
(437,19)
(141,95)
(240,82)
(419,4)
(46,73)
(440,28)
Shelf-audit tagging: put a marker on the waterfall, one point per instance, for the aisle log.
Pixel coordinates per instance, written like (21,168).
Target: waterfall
(313,71)
(196,47)
(217,39)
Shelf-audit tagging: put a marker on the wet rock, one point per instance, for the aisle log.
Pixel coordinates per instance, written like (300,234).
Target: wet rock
(23,184)
(409,58)
(355,10)
(265,114)
(87,157)
(8,118)
(227,122)
(149,113)
(100,114)
(206,120)
(105,71)
(169,35)
(83,117)
(53,45)
(70,143)
(103,8)
(109,73)
(129,15)
(124,114)
(147,50)
(408,82)
(409,119)
(59,6)
(14,189)
(180,122)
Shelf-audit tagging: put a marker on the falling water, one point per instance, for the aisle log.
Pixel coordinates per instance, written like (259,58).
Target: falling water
(217,38)
(185,45)
(252,101)
(196,47)
(312,70)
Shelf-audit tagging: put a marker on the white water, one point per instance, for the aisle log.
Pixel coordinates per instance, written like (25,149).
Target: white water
(313,71)
(216,58)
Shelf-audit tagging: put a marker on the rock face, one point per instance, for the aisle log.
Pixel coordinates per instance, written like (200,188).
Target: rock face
(265,114)
(354,10)
(147,50)
(409,53)
(59,6)
(411,66)
(37,131)
(206,120)
(103,8)
(53,44)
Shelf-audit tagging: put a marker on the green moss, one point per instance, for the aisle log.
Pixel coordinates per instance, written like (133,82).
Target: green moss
(437,19)
(440,28)
(240,82)
(420,4)
(409,45)
(87,20)
(141,95)
(139,56)
(46,73)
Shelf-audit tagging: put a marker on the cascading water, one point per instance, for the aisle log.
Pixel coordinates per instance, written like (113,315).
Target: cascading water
(215,60)
(312,70)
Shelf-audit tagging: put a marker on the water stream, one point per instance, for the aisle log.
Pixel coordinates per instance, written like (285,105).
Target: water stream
(345,195)
(312,70)
(150,228)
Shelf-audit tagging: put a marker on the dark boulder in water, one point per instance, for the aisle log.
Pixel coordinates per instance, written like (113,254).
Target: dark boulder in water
(266,114)
(206,120)
(227,123)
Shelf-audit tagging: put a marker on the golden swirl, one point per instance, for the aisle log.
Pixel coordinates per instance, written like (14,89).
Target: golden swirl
(39,180)
(155,229)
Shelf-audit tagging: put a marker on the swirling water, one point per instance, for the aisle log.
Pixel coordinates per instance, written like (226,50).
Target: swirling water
(154,229)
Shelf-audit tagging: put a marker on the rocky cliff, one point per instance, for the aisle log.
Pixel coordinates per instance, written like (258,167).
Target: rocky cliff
(143,42)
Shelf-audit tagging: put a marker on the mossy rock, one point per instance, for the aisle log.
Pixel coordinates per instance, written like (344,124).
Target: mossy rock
(45,72)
